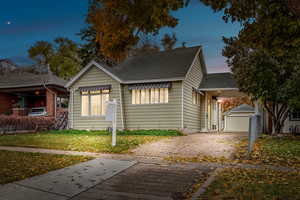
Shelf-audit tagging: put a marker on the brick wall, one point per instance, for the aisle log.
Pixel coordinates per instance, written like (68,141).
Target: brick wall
(50,102)
(5,102)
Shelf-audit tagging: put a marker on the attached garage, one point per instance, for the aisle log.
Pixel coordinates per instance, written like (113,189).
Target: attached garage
(237,119)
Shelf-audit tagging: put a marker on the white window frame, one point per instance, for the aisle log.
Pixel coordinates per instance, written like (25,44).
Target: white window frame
(196,98)
(103,95)
(150,96)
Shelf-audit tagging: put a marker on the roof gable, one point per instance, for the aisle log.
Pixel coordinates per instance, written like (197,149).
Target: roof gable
(170,65)
(244,108)
(101,66)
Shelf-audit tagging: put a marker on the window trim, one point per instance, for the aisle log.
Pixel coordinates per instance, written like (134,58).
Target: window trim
(89,115)
(293,119)
(150,98)
(197,96)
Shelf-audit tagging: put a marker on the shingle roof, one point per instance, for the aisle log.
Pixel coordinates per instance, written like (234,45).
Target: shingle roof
(241,108)
(218,80)
(16,80)
(156,65)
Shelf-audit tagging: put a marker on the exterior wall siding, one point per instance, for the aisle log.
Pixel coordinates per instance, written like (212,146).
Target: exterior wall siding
(93,77)
(192,117)
(154,116)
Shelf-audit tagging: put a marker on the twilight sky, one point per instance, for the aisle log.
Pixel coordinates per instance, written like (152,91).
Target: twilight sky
(24,22)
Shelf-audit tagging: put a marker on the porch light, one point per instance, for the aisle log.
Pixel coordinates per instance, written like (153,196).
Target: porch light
(37,92)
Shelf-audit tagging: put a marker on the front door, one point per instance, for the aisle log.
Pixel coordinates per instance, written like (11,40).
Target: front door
(214,115)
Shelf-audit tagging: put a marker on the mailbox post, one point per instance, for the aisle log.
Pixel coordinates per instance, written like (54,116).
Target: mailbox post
(111,115)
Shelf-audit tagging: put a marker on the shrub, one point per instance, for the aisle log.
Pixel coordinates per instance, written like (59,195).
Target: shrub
(151,132)
(13,124)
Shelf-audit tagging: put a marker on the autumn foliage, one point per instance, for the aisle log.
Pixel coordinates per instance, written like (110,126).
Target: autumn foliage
(119,23)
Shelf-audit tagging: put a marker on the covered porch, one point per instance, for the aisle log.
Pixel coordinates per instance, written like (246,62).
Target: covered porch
(32,94)
(213,103)
(21,101)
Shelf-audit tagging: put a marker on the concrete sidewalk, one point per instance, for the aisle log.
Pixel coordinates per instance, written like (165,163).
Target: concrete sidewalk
(51,151)
(64,183)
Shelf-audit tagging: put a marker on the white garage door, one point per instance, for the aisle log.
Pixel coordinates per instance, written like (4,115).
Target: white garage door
(237,123)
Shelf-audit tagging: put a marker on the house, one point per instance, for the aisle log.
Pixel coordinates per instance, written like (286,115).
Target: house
(237,119)
(158,90)
(20,92)
(7,65)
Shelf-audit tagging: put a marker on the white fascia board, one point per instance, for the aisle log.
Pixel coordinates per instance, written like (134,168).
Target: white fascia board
(87,67)
(215,89)
(153,80)
(194,60)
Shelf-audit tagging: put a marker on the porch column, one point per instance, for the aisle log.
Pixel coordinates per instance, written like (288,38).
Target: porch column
(205,113)
(51,103)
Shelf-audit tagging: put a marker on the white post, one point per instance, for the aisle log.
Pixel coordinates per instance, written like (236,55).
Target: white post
(111,115)
(114,124)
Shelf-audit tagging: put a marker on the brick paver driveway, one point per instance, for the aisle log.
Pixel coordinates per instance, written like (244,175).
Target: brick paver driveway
(210,144)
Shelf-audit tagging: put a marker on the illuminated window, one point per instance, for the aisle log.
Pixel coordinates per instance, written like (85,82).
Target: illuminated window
(150,96)
(93,103)
(196,97)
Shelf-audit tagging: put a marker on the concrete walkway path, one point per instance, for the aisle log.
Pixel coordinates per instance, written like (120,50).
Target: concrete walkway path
(209,144)
(64,183)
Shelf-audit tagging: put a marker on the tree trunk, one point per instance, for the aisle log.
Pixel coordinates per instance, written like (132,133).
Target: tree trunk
(278,113)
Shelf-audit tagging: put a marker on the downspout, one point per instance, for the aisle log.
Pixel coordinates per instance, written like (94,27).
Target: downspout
(121,107)
(73,108)
(182,127)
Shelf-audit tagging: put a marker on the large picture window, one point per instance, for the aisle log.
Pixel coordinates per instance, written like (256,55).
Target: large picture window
(93,102)
(150,96)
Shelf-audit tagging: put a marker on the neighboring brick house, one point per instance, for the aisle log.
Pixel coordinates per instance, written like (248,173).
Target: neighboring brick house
(20,92)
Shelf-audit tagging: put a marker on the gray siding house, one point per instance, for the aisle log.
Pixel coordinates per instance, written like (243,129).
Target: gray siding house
(160,90)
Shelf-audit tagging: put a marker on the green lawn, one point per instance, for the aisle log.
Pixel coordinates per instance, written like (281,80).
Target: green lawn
(254,184)
(91,141)
(18,165)
(283,151)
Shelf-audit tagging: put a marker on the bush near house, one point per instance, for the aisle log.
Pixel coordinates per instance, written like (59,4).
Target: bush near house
(152,132)
(15,124)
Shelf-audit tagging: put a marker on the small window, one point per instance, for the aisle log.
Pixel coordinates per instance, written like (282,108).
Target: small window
(196,98)
(295,116)
(150,96)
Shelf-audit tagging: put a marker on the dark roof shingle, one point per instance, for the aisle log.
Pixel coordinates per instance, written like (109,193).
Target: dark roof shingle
(157,65)
(218,80)
(18,80)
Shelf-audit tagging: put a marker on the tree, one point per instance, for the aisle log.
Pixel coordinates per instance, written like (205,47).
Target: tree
(41,52)
(62,56)
(65,61)
(168,41)
(119,23)
(265,56)
(146,44)
(230,103)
